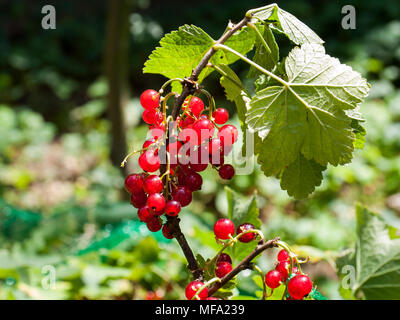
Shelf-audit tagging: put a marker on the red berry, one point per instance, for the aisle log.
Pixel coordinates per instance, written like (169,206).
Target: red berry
(152,184)
(138,199)
(188,121)
(212,298)
(283,268)
(224,258)
(222,269)
(204,129)
(148,143)
(134,183)
(154,224)
(167,232)
(224,228)
(172,208)
(183,195)
(150,99)
(299,286)
(215,146)
(199,159)
(193,287)
(226,171)
(193,181)
(144,214)
(248,236)
(283,255)
(156,202)
(228,134)
(273,279)
(157,131)
(151,116)
(220,116)
(149,161)
(196,106)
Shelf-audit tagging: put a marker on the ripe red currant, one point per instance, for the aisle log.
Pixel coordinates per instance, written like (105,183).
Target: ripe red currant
(193,287)
(148,143)
(150,99)
(156,202)
(134,183)
(220,116)
(154,224)
(228,134)
(145,215)
(149,161)
(151,116)
(283,268)
(167,232)
(224,228)
(226,171)
(138,199)
(157,131)
(152,184)
(299,286)
(283,255)
(172,208)
(204,129)
(193,181)
(273,279)
(183,195)
(247,237)
(222,269)
(196,105)
(224,258)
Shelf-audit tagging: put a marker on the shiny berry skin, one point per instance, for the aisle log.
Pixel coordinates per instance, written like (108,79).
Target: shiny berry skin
(172,208)
(150,99)
(228,135)
(156,202)
(283,267)
(193,287)
(299,286)
(220,115)
(154,224)
(145,214)
(148,143)
(224,228)
(273,279)
(222,269)
(188,121)
(248,236)
(196,106)
(226,171)
(167,232)
(204,129)
(283,255)
(183,195)
(138,199)
(224,258)
(151,116)
(152,184)
(157,131)
(149,161)
(193,181)
(215,146)
(134,183)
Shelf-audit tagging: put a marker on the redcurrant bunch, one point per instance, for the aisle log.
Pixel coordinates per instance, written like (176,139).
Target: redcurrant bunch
(299,285)
(194,142)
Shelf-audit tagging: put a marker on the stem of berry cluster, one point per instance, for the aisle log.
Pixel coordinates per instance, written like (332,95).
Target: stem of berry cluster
(244,264)
(188,88)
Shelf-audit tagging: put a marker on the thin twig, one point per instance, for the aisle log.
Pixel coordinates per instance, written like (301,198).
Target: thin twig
(244,264)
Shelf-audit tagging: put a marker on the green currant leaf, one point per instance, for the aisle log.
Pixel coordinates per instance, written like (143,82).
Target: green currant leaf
(288,24)
(242,209)
(200,260)
(301,177)
(266,58)
(241,41)
(360,133)
(316,295)
(179,52)
(306,113)
(375,259)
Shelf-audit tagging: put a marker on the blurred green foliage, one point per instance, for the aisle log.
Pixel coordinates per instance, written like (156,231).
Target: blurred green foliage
(60,198)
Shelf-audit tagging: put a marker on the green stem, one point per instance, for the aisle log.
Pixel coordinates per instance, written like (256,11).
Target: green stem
(224,74)
(263,282)
(196,296)
(252,63)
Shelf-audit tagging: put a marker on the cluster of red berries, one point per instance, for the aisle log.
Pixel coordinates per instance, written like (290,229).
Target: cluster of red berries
(188,150)
(299,285)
